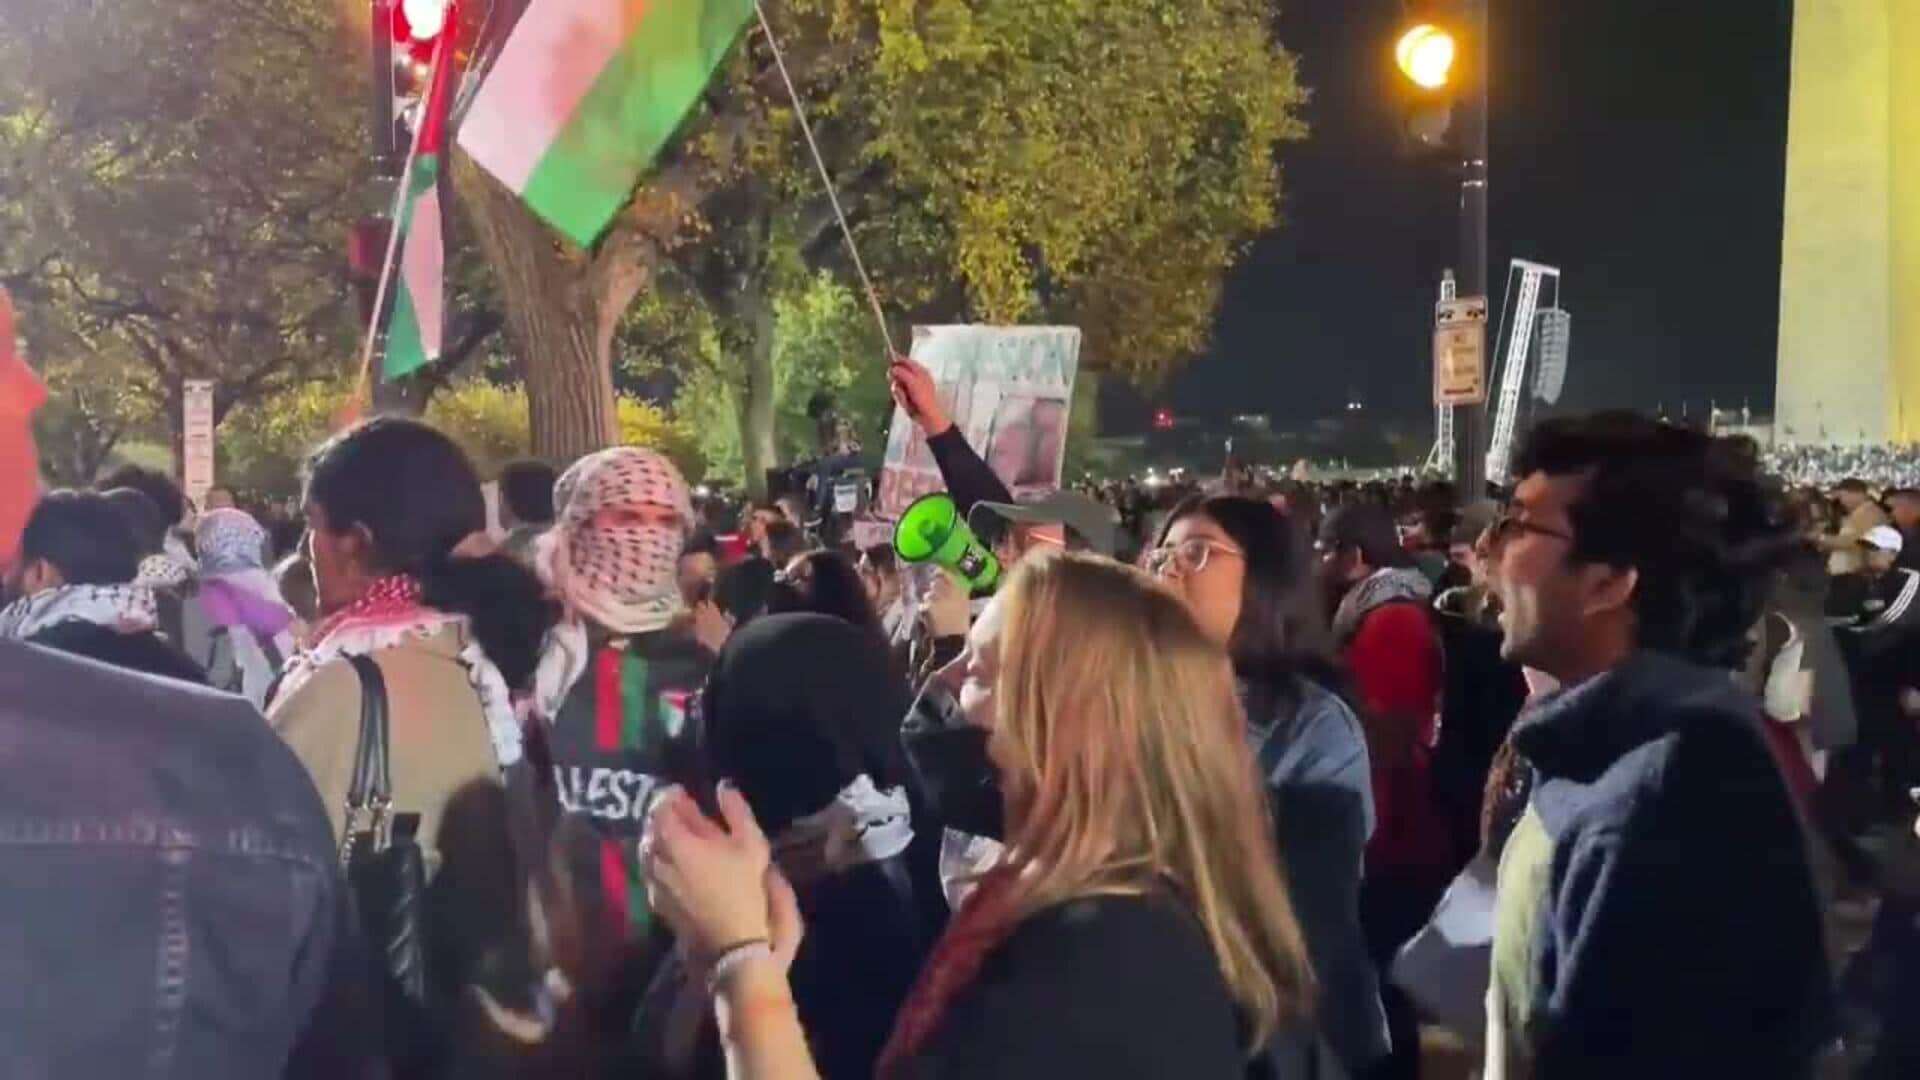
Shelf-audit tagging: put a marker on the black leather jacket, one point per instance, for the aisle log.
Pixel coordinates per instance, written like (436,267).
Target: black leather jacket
(170,900)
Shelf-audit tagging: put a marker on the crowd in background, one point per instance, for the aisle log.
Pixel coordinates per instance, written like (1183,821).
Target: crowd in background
(1883,465)
(1225,777)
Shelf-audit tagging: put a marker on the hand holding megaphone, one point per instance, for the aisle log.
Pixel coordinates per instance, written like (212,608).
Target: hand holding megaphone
(947,610)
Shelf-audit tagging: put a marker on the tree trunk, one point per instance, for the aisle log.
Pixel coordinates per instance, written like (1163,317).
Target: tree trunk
(554,319)
(569,385)
(757,414)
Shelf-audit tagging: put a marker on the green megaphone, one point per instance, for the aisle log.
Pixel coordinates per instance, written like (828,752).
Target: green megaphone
(932,530)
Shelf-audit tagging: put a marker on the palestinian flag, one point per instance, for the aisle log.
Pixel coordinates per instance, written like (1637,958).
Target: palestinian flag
(419,304)
(587,92)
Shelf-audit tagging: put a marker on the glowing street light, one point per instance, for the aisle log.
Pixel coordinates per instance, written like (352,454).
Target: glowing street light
(424,18)
(1425,54)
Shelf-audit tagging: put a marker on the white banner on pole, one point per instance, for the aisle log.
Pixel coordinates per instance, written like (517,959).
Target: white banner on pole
(1009,390)
(197,429)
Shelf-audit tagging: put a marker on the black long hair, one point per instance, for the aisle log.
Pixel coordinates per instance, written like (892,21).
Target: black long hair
(1281,637)
(417,496)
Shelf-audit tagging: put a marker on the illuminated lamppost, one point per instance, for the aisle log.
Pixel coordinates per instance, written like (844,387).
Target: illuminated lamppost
(1447,59)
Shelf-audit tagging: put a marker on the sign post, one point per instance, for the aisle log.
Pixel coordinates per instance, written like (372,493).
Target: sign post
(197,429)
(1460,351)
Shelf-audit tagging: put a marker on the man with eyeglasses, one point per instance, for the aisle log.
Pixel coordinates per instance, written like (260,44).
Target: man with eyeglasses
(1656,912)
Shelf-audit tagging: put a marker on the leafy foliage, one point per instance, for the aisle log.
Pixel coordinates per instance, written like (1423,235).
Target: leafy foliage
(489,421)
(180,179)
(1093,164)
(825,343)
(1002,161)
(262,444)
(94,406)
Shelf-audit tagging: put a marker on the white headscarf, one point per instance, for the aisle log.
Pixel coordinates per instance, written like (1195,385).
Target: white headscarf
(233,548)
(621,576)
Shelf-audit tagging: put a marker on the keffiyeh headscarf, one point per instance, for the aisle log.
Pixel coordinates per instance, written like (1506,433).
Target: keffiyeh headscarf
(125,609)
(162,571)
(229,541)
(235,587)
(620,574)
(238,594)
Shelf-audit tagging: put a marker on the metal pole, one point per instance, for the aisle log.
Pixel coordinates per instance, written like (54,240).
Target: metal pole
(386,150)
(1470,421)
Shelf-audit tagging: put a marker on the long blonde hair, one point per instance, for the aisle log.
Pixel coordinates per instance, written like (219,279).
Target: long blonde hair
(1123,750)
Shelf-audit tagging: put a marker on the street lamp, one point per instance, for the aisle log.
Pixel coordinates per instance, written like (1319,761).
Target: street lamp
(1425,54)
(1450,55)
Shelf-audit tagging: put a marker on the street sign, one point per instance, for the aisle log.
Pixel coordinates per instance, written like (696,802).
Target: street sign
(1460,351)
(197,430)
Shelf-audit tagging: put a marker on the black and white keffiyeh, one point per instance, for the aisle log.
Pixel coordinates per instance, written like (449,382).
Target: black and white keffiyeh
(125,609)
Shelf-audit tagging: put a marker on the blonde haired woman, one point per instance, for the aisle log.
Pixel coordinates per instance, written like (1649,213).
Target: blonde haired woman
(1138,926)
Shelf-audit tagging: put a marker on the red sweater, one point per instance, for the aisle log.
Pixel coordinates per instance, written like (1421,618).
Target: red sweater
(1396,664)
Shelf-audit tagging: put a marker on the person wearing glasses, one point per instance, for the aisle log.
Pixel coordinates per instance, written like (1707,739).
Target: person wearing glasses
(1242,569)
(1656,914)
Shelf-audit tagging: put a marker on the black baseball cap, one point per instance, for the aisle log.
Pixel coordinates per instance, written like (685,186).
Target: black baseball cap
(1366,526)
(1088,519)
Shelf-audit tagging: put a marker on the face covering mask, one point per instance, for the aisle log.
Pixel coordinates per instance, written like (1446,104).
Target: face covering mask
(949,755)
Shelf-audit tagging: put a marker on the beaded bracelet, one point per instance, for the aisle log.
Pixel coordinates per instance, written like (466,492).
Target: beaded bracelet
(732,958)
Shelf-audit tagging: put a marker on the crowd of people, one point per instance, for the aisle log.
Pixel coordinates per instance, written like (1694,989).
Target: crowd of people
(1239,778)
(1888,465)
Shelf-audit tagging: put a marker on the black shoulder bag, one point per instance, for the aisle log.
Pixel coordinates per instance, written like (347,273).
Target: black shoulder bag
(387,872)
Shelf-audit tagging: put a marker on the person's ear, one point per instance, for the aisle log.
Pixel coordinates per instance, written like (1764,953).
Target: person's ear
(1608,588)
(356,547)
(40,575)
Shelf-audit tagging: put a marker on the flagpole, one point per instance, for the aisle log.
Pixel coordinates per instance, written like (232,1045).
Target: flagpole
(820,162)
(364,386)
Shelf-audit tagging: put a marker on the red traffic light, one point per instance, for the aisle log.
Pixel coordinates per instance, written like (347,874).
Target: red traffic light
(1163,420)
(417,23)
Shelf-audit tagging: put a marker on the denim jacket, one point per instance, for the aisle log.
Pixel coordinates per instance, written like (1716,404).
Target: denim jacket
(170,899)
(1313,758)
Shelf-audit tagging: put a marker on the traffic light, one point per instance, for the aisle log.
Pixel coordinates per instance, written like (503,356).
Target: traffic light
(1425,54)
(1429,54)
(418,23)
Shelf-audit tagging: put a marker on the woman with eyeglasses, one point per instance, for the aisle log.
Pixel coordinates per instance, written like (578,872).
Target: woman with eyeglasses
(1243,572)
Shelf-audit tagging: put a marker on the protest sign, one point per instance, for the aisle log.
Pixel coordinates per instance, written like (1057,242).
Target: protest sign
(1008,389)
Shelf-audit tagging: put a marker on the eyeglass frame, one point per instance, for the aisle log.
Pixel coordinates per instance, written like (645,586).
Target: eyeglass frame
(1150,560)
(1510,525)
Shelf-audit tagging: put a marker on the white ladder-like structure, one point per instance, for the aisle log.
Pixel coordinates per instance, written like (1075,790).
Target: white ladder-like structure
(1513,368)
(1440,458)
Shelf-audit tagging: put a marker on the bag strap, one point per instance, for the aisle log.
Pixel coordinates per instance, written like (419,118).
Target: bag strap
(370,792)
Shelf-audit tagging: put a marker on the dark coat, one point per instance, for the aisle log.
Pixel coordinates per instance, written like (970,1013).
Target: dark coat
(1657,914)
(169,888)
(1120,987)
(146,652)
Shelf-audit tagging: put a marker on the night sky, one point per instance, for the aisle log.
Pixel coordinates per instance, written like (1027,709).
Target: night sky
(1637,144)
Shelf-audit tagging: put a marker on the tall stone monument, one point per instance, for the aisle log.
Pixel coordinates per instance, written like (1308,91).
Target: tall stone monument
(1849,364)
